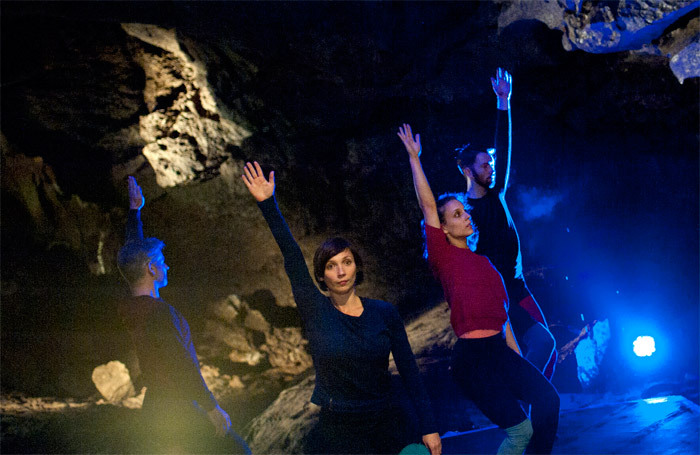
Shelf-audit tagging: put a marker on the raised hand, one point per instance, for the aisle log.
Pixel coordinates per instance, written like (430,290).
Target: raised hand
(502,84)
(260,187)
(412,144)
(136,200)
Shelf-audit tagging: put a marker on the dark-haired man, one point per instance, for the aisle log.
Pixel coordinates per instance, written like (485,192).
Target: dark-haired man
(497,236)
(180,414)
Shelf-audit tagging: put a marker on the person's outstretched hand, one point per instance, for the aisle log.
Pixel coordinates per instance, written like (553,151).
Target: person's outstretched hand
(412,144)
(502,84)
(260,187)
(220,419)
(136,200)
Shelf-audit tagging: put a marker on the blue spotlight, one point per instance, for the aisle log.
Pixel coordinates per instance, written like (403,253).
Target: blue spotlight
(644,346)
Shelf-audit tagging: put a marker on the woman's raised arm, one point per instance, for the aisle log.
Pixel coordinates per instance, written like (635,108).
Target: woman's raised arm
(426,200)
(263,190)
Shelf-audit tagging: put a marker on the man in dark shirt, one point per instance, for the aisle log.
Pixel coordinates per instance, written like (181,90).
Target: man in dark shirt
(497,237)
(180,415)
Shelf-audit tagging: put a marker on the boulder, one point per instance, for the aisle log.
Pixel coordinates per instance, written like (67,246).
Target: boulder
(113,381)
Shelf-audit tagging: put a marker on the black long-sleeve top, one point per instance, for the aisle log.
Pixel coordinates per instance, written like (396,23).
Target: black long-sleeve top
(350,354)
(498,238)
(163,343)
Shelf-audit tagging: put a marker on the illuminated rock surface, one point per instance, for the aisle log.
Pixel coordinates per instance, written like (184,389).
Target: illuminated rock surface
(113,381)
(603,27)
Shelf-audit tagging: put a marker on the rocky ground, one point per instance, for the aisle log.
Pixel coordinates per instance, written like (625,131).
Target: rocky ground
(43,425)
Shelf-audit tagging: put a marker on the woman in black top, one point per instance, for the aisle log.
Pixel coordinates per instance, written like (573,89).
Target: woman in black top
(350,339)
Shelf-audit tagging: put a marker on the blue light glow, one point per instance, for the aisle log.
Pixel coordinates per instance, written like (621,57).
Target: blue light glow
(640,337)
(492,162)
(534,202)
(644,346)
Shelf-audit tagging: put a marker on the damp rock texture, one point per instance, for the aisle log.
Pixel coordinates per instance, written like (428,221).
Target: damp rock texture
(668,28)
(241,334)
(186,137)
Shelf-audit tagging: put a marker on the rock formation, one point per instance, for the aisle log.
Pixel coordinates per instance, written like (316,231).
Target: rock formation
(643,26)
(243,335)
(113,381)
(186,136)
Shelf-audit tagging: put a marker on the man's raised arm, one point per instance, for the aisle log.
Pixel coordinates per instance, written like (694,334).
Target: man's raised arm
(502,87)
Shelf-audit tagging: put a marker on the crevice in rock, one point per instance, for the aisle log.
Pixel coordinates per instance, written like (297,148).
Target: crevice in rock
(264,301)
(165,102)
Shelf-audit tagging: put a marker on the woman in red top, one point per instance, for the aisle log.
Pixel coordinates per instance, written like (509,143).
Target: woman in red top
(486,361)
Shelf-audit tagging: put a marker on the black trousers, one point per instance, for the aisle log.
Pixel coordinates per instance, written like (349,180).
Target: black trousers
(375,432)
(495,377)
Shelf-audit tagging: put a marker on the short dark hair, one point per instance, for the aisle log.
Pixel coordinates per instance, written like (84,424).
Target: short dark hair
(134,255)
(329,248)
(465,155)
